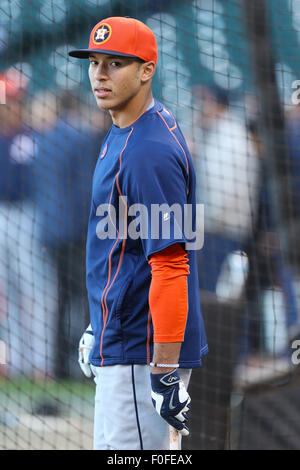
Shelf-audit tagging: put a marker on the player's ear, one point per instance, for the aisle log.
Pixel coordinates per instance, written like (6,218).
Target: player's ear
(147,71)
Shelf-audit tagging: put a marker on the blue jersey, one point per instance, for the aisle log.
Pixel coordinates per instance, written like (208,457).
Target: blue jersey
(16,165)
(141,168)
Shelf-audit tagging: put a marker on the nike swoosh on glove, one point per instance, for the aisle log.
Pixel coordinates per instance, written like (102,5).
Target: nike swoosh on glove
(85,345)
(171,400)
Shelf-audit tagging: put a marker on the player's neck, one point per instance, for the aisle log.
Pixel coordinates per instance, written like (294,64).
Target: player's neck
(131,111)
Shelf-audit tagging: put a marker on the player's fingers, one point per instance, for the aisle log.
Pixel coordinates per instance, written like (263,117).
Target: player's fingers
(88,372)
(181,427)
(182,417)
(177,424)
(86,369)
(184,431)
(186,408)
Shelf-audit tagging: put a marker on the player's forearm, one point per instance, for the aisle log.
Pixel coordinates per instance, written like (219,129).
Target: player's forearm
(168,300)
(165,353)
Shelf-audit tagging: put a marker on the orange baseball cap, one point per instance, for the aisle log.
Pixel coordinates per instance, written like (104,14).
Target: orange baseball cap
(121,36)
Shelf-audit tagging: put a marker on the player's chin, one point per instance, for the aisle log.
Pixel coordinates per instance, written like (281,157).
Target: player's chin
(103,103)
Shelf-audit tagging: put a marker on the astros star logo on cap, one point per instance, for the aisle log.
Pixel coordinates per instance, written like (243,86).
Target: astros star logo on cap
(102,33)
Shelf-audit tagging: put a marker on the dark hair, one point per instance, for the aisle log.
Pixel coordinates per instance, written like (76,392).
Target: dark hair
(221,95)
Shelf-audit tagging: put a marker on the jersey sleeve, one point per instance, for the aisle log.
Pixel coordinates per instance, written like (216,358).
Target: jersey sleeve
(156,187)
(168,294)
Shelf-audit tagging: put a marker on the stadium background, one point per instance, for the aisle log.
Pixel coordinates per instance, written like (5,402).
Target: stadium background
(226,50)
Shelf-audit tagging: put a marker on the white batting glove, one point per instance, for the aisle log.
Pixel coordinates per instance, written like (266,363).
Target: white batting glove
(85,345)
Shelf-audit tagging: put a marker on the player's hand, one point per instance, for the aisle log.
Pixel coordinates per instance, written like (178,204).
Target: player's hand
(85,345)
(171,400)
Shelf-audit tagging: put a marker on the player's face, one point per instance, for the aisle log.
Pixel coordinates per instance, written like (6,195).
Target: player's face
(115,80)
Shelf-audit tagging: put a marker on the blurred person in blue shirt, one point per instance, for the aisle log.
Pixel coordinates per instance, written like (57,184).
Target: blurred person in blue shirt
(24,328)
(293,143)
(67,152)
(270,291)
(227,172)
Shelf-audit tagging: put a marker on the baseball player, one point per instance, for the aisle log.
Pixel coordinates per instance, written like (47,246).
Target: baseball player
(146,331)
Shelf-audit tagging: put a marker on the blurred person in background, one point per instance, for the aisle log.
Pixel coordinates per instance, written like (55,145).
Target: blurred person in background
(67,149)
(24,319)
(293,143)
(227,182)
(269,291)
(241,252)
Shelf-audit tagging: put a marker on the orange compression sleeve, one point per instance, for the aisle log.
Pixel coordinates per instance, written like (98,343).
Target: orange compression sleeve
(168,294)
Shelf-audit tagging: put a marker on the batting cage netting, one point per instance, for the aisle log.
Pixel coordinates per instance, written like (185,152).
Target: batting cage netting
(228,70)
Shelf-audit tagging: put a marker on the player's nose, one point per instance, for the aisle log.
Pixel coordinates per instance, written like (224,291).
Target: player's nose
(101,72)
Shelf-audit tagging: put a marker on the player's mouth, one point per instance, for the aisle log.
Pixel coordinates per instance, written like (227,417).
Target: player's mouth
(102,92)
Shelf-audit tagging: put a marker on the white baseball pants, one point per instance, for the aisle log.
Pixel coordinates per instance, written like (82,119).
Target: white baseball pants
(125,418)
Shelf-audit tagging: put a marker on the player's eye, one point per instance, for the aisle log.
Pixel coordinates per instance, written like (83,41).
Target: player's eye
(116,63)
(93,62)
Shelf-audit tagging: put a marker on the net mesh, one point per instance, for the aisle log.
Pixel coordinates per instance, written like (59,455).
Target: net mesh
(215,67)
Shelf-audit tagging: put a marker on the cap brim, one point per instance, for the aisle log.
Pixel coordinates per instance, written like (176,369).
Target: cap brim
(85,53)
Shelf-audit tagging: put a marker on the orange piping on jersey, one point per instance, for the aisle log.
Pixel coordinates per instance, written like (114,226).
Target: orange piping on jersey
(102,305)
(109,274)
(108,278)
(175,125)
(108,285)
(108,289)
(171,131)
